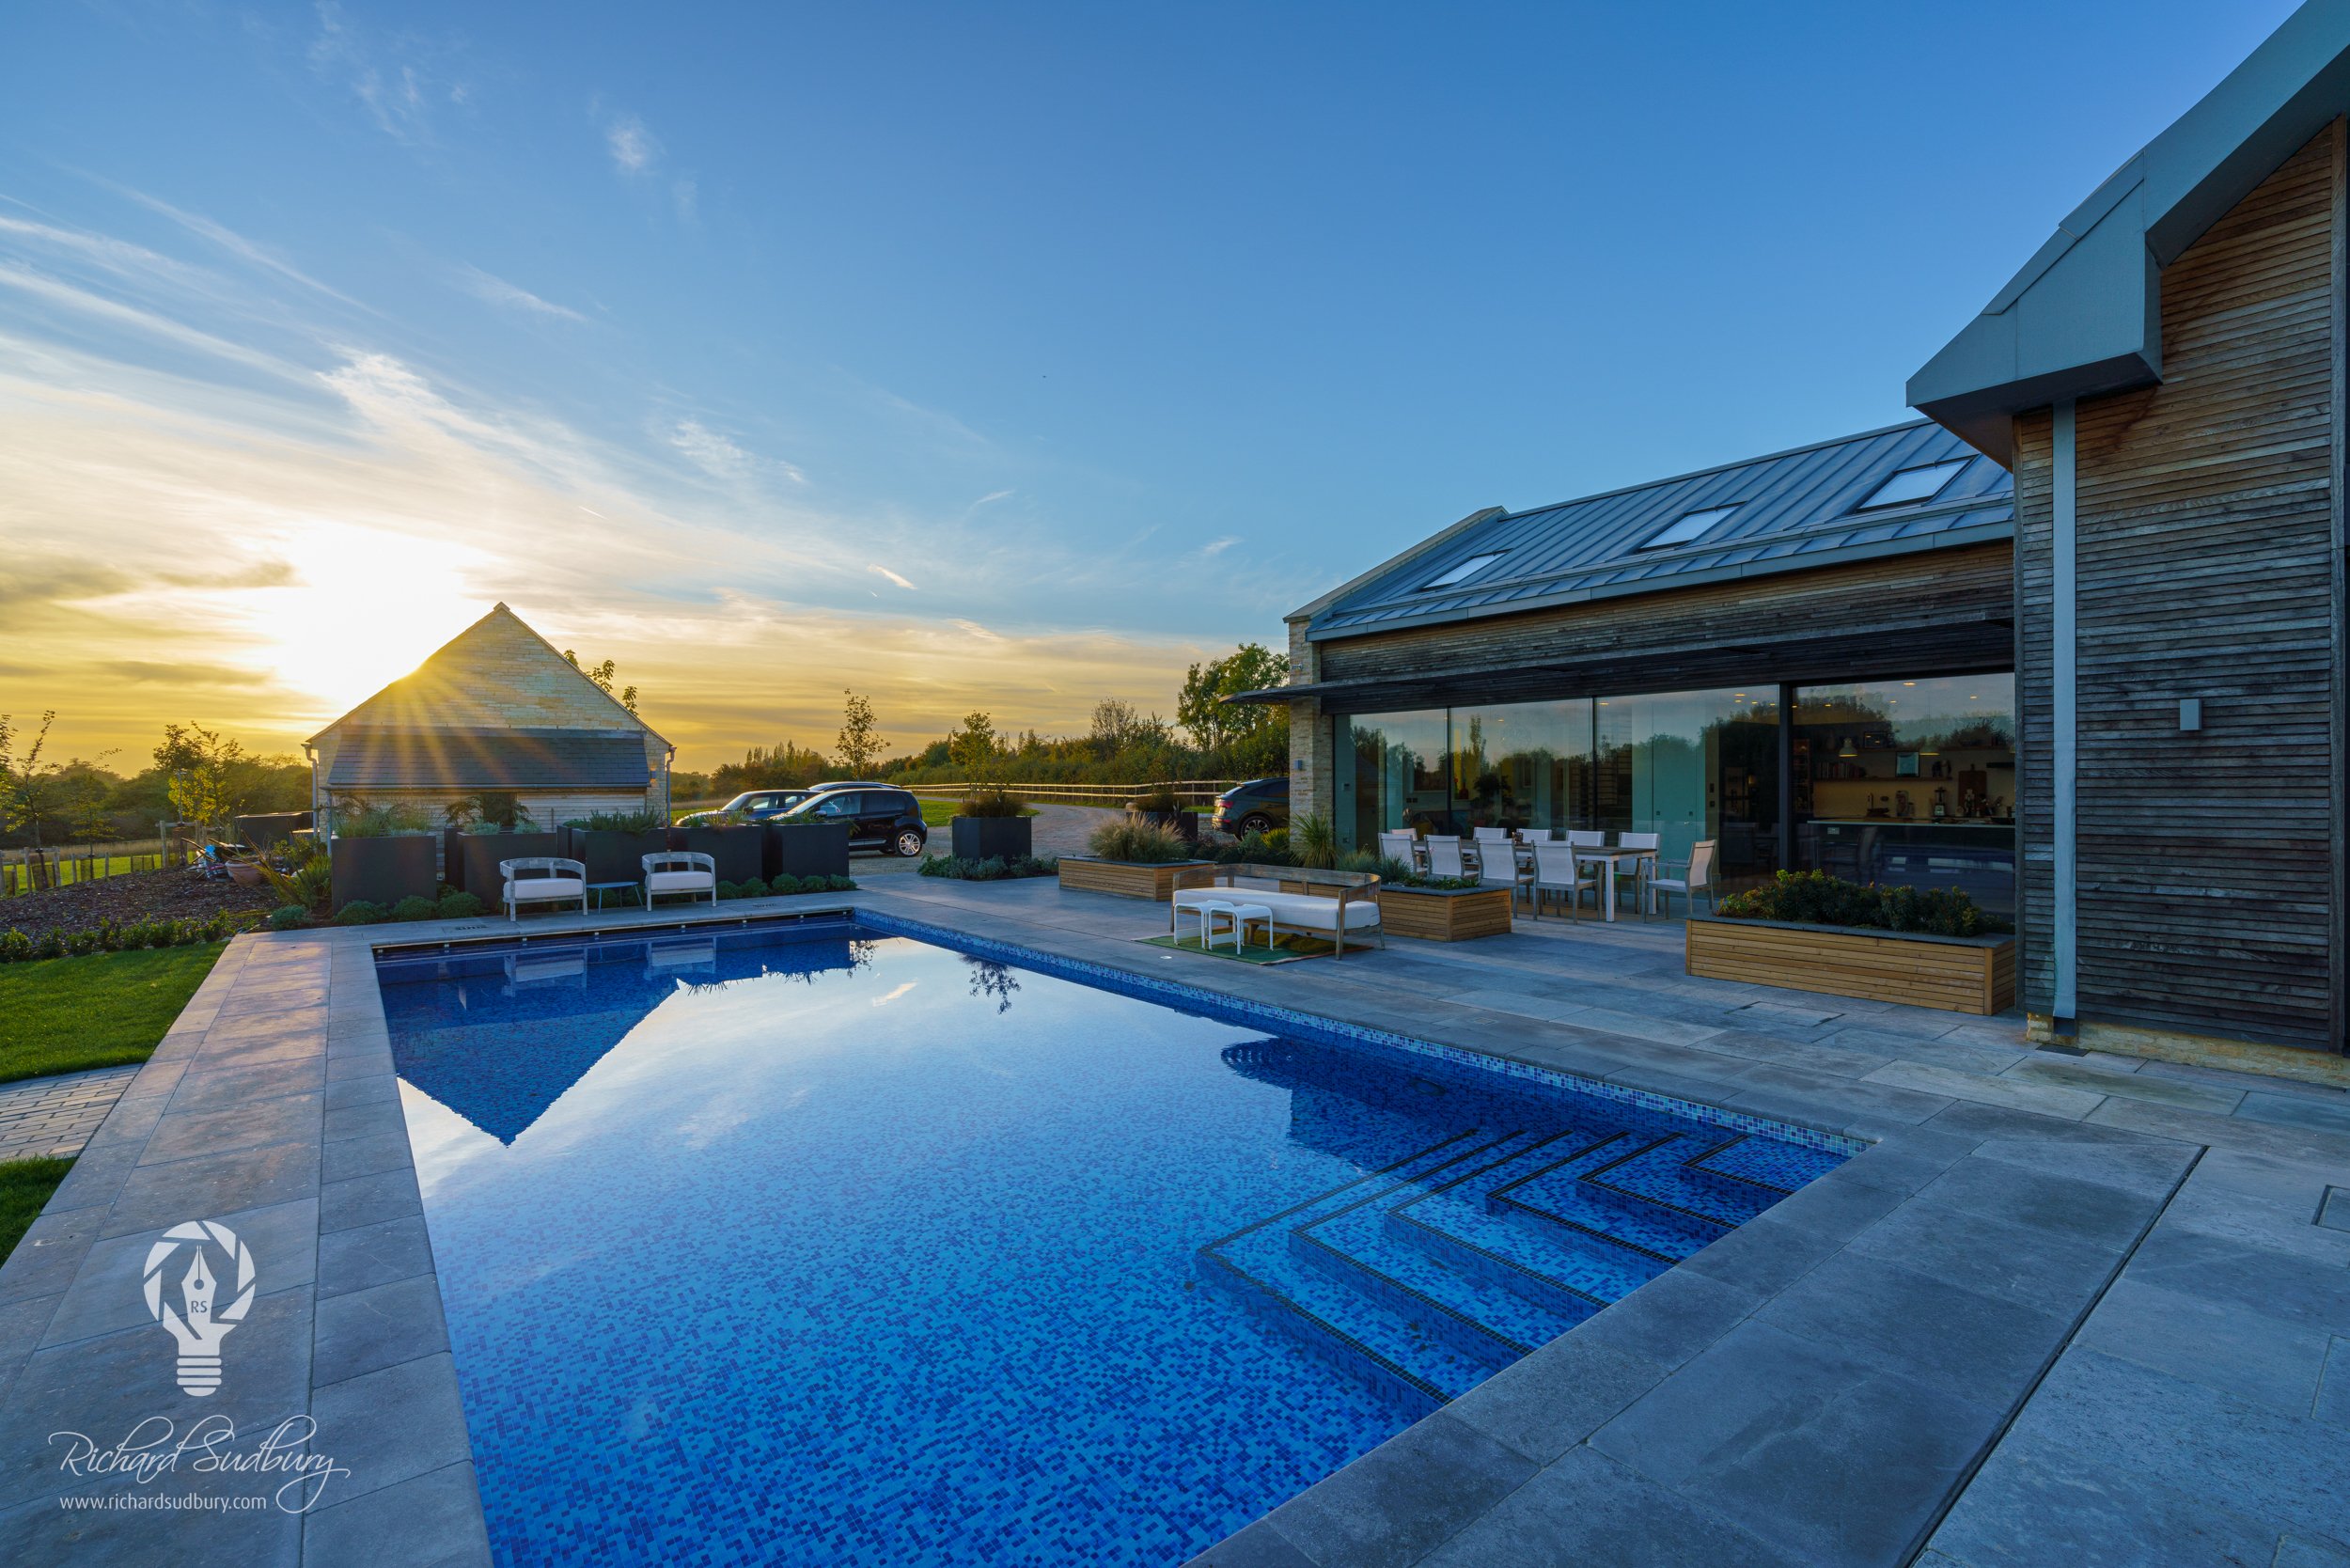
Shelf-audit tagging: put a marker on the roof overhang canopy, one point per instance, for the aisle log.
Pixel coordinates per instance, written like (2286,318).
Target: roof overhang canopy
(2084,316)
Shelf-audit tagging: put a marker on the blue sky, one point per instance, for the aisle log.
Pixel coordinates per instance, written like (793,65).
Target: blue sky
(1003,356)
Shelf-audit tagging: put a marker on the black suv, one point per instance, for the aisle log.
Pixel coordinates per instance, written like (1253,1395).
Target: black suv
(879,818)
(1259,806)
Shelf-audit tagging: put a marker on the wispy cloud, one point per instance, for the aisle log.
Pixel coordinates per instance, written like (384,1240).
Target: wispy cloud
(885,572)
(146,322)
(1217,546)
(498,291)
(634,150)
(235,244)
(400,81)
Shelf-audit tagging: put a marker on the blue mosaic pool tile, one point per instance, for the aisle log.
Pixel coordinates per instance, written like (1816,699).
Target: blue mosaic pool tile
(817,1243)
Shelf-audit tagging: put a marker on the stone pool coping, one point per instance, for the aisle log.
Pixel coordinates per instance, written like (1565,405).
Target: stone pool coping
(1818,1387)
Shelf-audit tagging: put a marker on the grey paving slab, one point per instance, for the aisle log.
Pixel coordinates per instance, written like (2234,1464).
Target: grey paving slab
(2295,1110)
(427,1521)
(391,1425)
(1592,1510)
(2265,1361)
(1405,1497)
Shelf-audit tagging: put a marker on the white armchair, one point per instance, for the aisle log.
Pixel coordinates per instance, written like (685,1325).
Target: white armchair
(680,871)
(541,879)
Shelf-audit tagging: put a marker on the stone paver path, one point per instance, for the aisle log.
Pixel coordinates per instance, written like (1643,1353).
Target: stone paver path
(53,1118)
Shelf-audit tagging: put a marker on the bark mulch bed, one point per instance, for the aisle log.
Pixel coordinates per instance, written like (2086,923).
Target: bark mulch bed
(176,895)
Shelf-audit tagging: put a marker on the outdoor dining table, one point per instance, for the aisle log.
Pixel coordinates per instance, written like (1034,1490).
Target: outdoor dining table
(1608,854)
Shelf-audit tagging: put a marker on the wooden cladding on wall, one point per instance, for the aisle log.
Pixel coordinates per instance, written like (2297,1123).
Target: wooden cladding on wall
(2206,559)
(1914,612)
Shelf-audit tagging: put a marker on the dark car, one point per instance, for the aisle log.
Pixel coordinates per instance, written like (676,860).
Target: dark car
(757,805)
(878,817)
(1259,806)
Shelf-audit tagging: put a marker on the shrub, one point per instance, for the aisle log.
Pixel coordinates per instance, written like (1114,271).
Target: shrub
(460,906)
(1160,799)
(787,884)
(415,907)
(993,803)
(1817,898)
(755,888)
(292,916)
(618,822)
(356,819)
(1254,849)
(1440,883)
(1141,843)
(1316,841)
(839,885)
(993,869)
(361,912)
(729,890)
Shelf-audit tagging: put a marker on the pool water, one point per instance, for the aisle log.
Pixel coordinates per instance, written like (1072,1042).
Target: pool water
(811,1244)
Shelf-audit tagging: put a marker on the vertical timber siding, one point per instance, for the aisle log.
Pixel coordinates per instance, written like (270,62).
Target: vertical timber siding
(2207,564)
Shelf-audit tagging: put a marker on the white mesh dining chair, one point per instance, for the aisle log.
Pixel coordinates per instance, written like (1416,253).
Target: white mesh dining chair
(1443,857)
(1698,878)
(1491,835)
(1586,838)
(1403,845)
(1643,869)
(1537,836)
(1497,864)
(1558,870)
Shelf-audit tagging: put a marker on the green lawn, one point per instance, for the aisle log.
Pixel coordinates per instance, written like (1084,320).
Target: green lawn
(938,813)
(24,1186)
(103,1009)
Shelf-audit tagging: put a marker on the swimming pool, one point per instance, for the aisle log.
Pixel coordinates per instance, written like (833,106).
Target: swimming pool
(823,1243)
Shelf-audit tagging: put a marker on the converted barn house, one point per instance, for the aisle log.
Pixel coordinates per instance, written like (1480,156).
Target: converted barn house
(2076,643)
(496,708)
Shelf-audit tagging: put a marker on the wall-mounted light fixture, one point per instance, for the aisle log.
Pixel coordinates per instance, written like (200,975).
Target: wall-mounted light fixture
(2190,713)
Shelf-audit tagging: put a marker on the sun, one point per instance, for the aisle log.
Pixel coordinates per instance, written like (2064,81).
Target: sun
(369,605)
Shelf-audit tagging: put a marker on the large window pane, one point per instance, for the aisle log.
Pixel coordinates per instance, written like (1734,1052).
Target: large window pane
(1691,766)
(1910,781)
(1522,764)
(1399,778)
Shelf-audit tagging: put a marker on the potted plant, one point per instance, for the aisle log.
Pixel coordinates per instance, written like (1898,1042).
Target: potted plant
(1135,859)
(1808,930)
(612,844)
(993,825)
(806,846)
(1159,808)
(383,854)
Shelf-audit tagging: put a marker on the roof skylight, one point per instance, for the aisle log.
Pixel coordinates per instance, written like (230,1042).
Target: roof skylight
(1467,569)
(1687,528)
(1912,485)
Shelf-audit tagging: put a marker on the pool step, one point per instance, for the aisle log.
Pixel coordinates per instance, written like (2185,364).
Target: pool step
(1423,1277)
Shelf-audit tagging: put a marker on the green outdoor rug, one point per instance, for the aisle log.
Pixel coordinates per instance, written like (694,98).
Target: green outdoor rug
(1291,950)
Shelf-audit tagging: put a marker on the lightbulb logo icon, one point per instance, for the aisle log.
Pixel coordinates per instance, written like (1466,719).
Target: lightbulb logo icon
(197,1324)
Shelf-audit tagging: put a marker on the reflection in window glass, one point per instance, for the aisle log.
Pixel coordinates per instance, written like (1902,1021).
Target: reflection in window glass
(1910,782)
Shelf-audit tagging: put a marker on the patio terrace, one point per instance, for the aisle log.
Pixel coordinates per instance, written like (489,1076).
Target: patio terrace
(2069,1308)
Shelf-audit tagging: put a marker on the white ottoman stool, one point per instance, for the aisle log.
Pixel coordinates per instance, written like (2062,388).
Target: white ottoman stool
(1242,915)
(1207,909)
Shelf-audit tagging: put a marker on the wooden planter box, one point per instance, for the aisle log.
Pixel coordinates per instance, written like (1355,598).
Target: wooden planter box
(1957,974)
(1434,915)
(1127,880)
(991,838)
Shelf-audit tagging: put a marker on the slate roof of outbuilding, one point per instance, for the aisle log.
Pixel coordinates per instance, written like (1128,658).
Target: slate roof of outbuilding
(1795,511)
(489,759)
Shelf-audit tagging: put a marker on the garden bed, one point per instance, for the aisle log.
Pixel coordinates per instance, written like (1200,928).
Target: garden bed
(1439,915)
(1133,879)
(1956,974)
(129,899)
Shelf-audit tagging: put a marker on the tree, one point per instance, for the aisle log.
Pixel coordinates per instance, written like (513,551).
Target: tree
(974,746)
(1115,723)
(1228,730)
(860,742)
(604,675)
(29,797)
(206,775)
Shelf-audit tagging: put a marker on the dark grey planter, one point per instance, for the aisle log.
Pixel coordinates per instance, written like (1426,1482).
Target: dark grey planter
(271,831)
(1184,822)
(611,855)
(992,837)
(820,849)
(479,854)
(739,852)
(453,858)
(385,870)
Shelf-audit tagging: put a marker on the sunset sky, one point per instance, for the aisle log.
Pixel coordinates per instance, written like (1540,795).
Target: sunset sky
(998,356)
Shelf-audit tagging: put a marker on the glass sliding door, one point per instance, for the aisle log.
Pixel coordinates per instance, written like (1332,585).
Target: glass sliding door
(1400,778)
(1522,764)
(1690,766)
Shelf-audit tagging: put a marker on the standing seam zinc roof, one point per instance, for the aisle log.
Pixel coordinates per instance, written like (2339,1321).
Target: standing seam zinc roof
(1795,511)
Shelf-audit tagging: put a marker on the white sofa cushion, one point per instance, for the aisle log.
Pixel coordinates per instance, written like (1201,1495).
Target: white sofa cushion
(680,881)
(1307,911)
(545,887)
